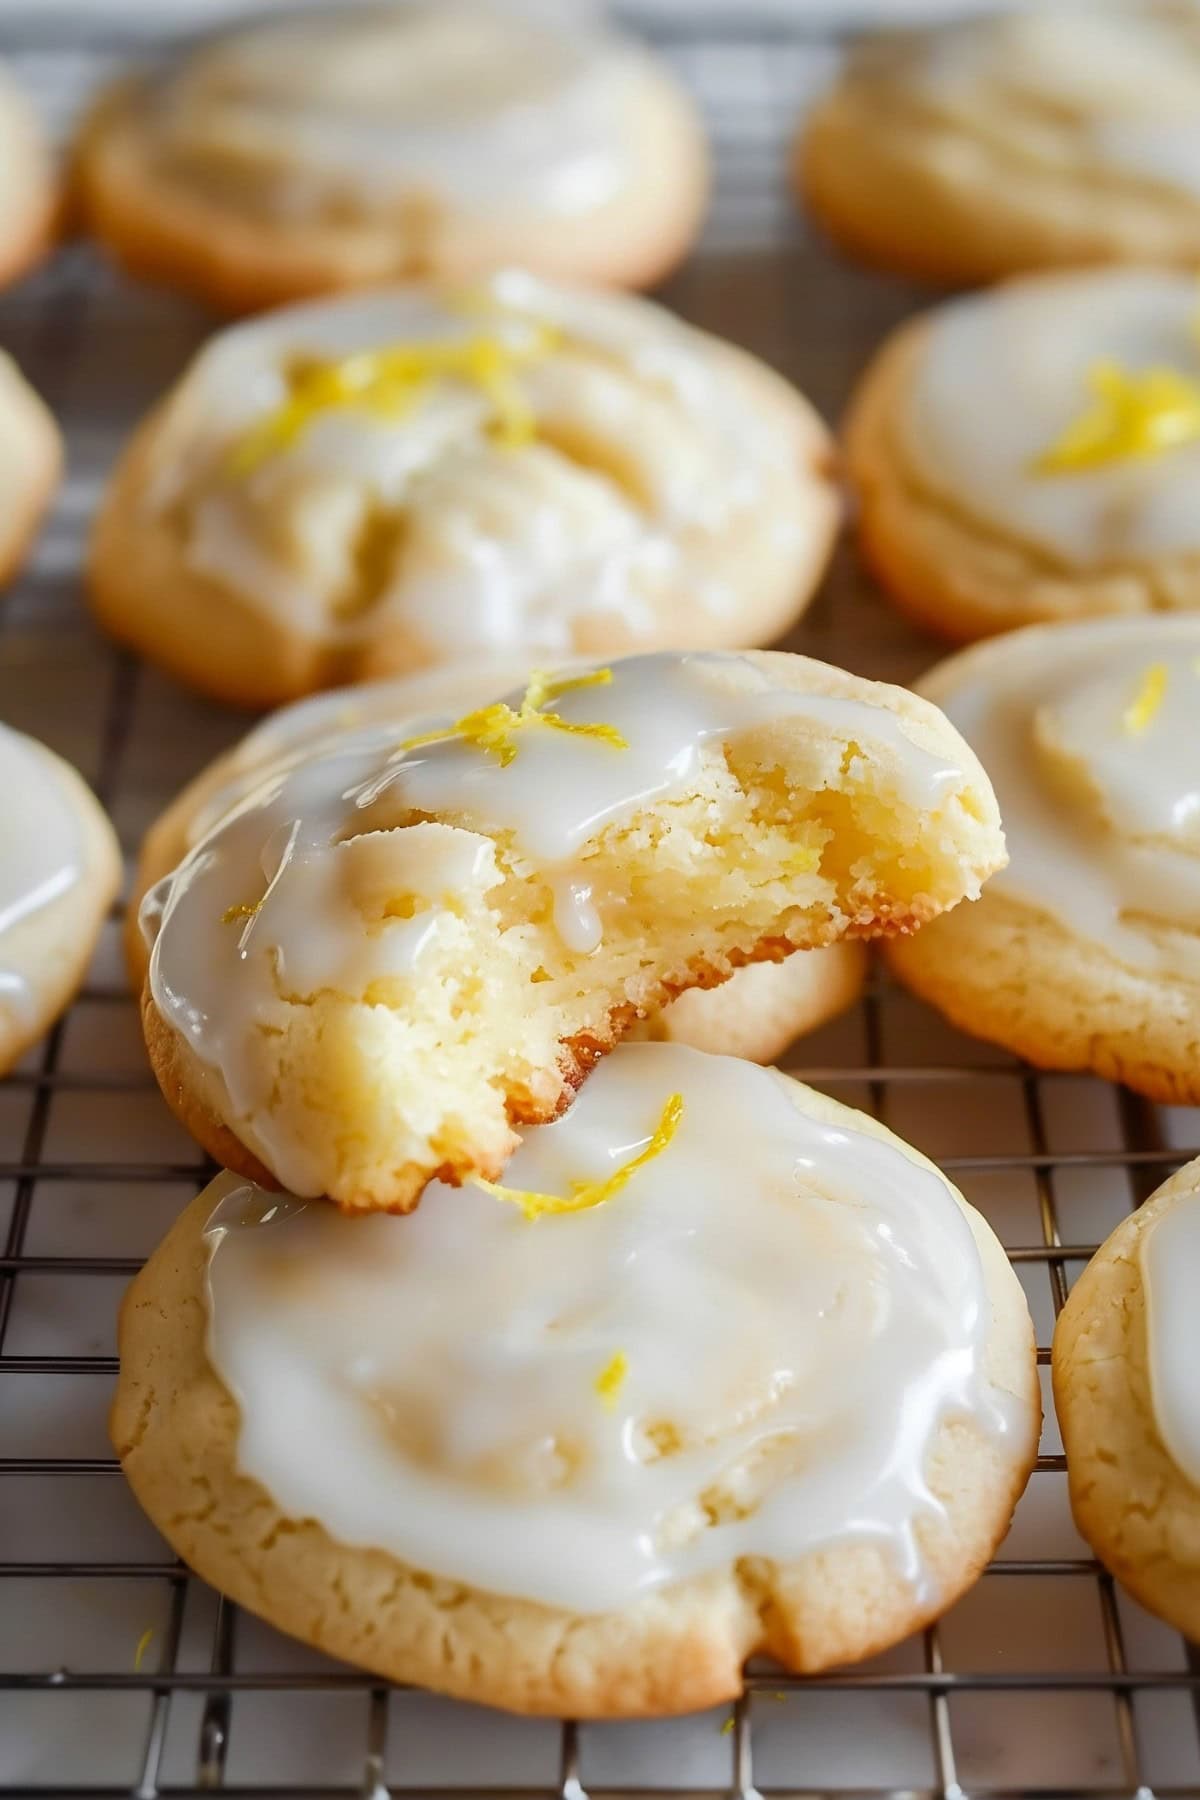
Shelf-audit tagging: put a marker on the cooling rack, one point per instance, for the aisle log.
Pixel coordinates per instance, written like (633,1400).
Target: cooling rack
(122,1675)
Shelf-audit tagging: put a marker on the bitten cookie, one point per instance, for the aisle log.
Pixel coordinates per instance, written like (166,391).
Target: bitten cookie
(401,479)
(756,1013)
(30,464)
(1048,135)
(28,186)
(1032,453)
(1126,1351)
(730,1369)
(1084,953)
(368,144)
(59,873)
(395,948)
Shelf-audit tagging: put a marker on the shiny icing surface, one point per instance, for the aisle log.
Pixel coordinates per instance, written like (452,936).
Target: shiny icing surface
(644,447)
(1001,377)
(1098,780)
(41,851)
(1073,89)
(1170,1257)
(601,1403)
(305,885)
(371,106)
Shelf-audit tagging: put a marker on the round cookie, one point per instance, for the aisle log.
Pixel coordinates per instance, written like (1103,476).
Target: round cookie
(757,1013)
(59,874)
(396,480)
(396,948)
(369,144)
(1050,135)
(620,1451)
(28,187)
(30,465)
(1031,453)
(1125,1393)
(1084,952)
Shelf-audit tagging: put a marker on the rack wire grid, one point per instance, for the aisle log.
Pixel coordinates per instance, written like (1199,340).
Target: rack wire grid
(124,1675)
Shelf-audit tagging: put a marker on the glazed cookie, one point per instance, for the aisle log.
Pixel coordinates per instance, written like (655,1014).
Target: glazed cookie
(406,478)
(1084,953)
(757,1013)
(589,1465)
(30,464)
(59,874)
(28,188)
(1125,1358)
(368,144)
(1032,453)
(397,947)
(1045,136)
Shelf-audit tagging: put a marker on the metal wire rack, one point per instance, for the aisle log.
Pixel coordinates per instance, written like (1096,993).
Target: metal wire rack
(122,1675)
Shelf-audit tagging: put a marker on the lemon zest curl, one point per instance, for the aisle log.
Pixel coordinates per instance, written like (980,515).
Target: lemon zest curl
(1146,701)
(493,729)
(584,1195)
(611,1379)
(1132,415)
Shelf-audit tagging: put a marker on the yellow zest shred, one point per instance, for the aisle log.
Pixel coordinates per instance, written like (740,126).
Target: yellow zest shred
(586,1194)
(727,1727)
(232,914)
(1147,700)
(611,1379)
(389,382)
(493,729)
(143,1644)
(1131,416)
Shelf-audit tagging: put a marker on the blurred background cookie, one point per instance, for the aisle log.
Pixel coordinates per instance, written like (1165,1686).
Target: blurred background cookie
(1048,135)
(59,873)
(391,480)
(367,143)
(776,1394)
(29,187)
(31,457)
(1033,453)
(1126,1349)
(1084,953)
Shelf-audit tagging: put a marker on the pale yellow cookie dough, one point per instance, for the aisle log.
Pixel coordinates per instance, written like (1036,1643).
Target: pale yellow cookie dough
(175,1427)
(61,874)
(756,1014)
(30,465)
(1049,135)
(371,144)
(821,824)
(1014,968)
(588,475)
(1132,1502)
(966,563)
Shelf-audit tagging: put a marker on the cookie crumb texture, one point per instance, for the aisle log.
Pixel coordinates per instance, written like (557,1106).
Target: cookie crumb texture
(338,1064)
(674,1648)
(1131,1501)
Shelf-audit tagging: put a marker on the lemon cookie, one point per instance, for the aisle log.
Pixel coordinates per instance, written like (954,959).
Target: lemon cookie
(59,873)
(30,464)
(1045,136)
(395,947)
(400,479)
(1032,453)
(1126,1349)
(28,186)
(757,1013)
(1085,951)
(372,143)
(589,1464)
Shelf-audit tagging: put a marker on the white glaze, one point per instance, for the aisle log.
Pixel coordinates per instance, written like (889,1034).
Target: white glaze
(1003,374)
(41,853)
(320,842)
(502,547)
(460,102)
(1170,1257)
(426,1386)
(1099,821)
